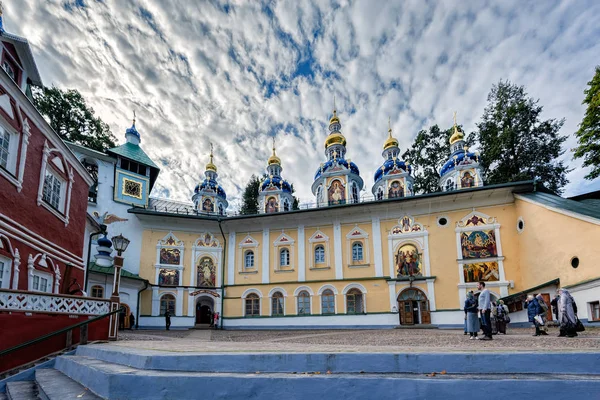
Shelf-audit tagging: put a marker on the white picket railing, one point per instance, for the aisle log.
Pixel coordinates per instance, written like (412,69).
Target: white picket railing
(11,300)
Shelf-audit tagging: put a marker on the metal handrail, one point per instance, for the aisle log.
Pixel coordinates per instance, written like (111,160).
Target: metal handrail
(62,330)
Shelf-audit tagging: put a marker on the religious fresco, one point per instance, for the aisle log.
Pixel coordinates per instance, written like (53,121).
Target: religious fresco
(396,190)
(478,244)
(467,180)
(207,205)
(168,277)
(487,272)
(170,256)
(207,240)
(271,205)
(336,193)
(206,273)
(408,261)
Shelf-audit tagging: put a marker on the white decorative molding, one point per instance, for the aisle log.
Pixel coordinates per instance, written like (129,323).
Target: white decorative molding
(170,241)
(16,270)
(360,235)
(335,297)
(231,259)
(301,255)
(284,241)
(206,246)
(364,295)
(265,255)
(41,302)
(377,249)
(311,296)
(23,153)
(337,250)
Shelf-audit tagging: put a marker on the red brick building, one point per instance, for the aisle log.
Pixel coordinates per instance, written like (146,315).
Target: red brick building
(43,187)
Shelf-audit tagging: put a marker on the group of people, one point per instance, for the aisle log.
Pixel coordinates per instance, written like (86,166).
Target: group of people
(491,317)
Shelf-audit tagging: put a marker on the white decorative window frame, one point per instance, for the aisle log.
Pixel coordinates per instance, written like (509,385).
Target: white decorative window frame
(437,220)
(314,240)
(247,243)
(335,297)
(364,296)
(7,271)
(260,298)
(271,293)
(15,263)
(68,185)
(200,251)
(162,244)
(169,293)
(46,262)
(490,224)
(284,241)
(17,152)
(357,234)
(311,294)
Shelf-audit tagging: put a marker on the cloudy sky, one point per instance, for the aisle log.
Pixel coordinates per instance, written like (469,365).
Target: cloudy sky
(237,73)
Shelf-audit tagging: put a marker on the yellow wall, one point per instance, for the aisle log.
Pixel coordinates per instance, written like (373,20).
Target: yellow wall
(277,274)
(357,270)
(249,276)
(319,273)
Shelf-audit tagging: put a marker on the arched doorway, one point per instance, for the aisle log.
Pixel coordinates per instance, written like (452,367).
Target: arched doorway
(204,310)
(413,307)
(124,317)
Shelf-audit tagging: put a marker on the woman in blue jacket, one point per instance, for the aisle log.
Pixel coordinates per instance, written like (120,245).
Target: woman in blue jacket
(533,309)
(472,316)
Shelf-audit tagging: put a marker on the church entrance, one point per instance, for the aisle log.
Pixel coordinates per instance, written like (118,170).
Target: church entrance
(413,307)
(204,310)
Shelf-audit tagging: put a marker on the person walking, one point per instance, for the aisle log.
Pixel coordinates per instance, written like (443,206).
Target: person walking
(501,317)
(543,314)
(216,320)
(485,309)
(471,315)
(533,311)
(168,319)
(568,314)
(554,303)
(131,321)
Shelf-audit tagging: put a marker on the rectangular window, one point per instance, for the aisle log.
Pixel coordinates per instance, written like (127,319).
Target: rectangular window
(4,148)
(41,284)
(2,274)
(36,283)
(303,305)
(277,304)
(328,304)
(52,190)
(595,311)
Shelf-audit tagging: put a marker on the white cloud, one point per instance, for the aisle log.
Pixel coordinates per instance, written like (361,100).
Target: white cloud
(197,74)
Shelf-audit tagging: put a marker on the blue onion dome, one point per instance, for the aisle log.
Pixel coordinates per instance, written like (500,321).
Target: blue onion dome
(211,185)
(394,165)
(459,158)
(132,130)
(277,182)
(335,163)
(104,242)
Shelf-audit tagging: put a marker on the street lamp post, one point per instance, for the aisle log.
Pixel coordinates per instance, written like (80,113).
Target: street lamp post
(120,244)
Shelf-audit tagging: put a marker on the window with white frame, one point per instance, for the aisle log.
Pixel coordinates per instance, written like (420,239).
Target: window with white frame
(9,144)
(54,189)
(252,305)
(97,291)
(277,304)
(249,259)
(41,283)
(303,303)
(5,264)
(4,148)
(167,303)
(327,302)
(354,302)
(320,254)
(284,258)
(357,252)
(10,70)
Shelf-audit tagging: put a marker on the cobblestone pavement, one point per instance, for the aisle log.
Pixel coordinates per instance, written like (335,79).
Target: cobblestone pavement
(393,340)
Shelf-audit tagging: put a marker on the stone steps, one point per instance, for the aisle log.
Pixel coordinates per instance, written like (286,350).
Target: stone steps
(116,381)
(26,390)
(49,384)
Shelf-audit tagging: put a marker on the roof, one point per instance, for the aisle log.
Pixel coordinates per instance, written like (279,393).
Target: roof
(168,204)
(556,202)
(586,196)
(26,56)
(134,153)
(111,271)
(91,152)
(523,293)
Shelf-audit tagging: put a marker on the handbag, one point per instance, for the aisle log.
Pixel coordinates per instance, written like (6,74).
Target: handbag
(539,320)
(506,319)
(579,326)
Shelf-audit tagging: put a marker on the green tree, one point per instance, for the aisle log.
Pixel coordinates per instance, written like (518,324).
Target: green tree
(428,153)
(588,134)
(516,144)
(250,196)
(74,121)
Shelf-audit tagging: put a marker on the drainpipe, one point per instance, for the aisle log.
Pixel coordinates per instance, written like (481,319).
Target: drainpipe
(89,253)
(137,317)
(222,270)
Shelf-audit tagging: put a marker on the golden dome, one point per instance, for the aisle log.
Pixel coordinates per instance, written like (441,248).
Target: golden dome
(457,135)
(335,138)
(274,159)
(334,119)
(391,141)
(211,166)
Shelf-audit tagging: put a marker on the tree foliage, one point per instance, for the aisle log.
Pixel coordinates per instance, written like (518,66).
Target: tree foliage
(588,134)
(74,121)
(428,153)
(250,196)
(515,143)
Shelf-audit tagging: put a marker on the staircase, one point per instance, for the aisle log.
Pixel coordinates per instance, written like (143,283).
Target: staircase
(112,372)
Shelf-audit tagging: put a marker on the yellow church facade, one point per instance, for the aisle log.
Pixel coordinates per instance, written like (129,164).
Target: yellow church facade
(378,264)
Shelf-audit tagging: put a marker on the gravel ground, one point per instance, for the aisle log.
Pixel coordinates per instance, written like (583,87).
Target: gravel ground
(393,340)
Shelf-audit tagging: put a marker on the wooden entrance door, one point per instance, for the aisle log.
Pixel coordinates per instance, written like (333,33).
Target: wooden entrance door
(425,314)
(406,313)
(413,307)
(546,298)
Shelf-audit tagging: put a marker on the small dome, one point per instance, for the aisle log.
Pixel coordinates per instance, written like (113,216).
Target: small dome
(456,136)
(391,165)
(458,159)
(132,131)
(335,138)
(276,182)
(211,185)
(104,242)
(337,162)
(211,167)
(274,160)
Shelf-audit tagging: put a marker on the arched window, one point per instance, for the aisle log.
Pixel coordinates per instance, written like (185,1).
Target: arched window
(319,254)
(328,302)
(303,303)
(252,305)
(380,193)
(354,302)
(354,193)
(449,185)
(221,211)
(249,259)
(319,195)
(277,304)
(167,302)
(97,291)
(286,205)
(357,251)
(284,258)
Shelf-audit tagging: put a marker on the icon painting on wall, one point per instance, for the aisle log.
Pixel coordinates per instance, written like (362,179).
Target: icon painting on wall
(206,273)
(207,205)
(336,192)
(170,256)
(487,272)
(168,277)
(467,180)
(408,261)
(396,190)
(272,206)
(478,244)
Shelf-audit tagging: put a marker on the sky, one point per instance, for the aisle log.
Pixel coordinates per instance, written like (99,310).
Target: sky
(237,73)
